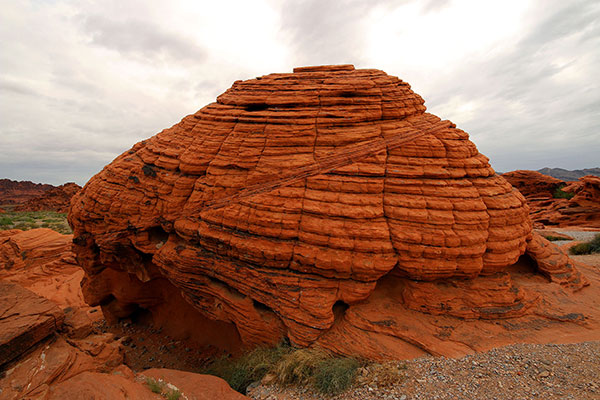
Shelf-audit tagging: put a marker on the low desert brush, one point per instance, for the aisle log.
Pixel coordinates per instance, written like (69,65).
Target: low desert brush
(593,246)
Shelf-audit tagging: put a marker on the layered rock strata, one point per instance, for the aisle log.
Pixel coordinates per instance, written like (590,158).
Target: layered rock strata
(56,199)
(278,209)
(16,192)
(547,207)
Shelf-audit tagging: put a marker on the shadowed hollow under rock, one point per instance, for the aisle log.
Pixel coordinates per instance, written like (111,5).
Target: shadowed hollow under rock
(326,206)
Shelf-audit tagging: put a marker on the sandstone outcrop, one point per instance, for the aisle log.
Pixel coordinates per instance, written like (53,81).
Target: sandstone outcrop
(25,319)
(56,199)
(16,192)
(582,209)
(298,201)
(48,346)
(533,184)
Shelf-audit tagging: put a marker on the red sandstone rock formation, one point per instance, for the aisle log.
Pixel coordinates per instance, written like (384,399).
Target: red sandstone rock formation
(533,184)
(25,319)
(16,192)
(324,205)
(73,362)
(582,210)
(56,199)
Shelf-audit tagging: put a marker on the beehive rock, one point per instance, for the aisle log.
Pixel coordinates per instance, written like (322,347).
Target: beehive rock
(282,204)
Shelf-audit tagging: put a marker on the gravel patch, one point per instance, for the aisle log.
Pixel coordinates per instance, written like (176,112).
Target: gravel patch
(580,236)
(521,371)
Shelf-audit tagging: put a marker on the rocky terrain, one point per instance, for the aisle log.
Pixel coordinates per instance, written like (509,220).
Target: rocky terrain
(16,192)
(325,208)
(49,345)
(56,199)
(554,202)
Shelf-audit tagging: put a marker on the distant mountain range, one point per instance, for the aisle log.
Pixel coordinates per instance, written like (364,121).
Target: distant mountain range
(566,175)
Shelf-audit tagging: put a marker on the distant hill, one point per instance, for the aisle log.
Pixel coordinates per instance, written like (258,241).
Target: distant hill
(15,192)
(566,175)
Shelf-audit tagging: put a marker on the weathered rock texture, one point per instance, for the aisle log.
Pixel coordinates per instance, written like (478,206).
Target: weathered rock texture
(56,199)
(25,319)
(583,209)
(279,208)
(49,353)
(16,192)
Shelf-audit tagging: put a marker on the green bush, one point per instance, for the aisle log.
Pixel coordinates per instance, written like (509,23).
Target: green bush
(173,395)
(559,193)
(554,238)
(335,375)
(593,246)
(154,385)
(5,221)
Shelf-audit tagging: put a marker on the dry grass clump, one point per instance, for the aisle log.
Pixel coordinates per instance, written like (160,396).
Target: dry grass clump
(250,367)
(381,374)
(593,246)
(286,365)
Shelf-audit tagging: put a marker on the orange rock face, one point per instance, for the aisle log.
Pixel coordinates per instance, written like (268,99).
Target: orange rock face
(16,192)
(56,199)
(25,319)
(533,184)
(280,207)
(583,209)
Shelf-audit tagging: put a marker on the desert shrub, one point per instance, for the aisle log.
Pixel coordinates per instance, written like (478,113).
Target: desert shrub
(5,221)
(554,238)
(593,246)
(251,367)
(559,193)
(335,375)
(154,385)
(299,366)
(173,395)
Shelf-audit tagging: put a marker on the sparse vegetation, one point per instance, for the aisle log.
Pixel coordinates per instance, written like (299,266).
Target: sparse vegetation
(154,385)
(286,365)
(162,388)
(559,193)
(593,246)
(26,220)
(335,375)
(251,367)
(554,238)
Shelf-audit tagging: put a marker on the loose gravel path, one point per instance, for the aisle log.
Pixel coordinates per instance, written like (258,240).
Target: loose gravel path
(521,371)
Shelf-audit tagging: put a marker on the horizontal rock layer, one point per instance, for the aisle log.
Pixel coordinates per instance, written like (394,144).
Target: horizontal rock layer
(56,199)
(549,202)
(290,197)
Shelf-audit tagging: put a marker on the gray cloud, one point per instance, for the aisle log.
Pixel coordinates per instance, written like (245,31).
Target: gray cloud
(139,37)
(94,78)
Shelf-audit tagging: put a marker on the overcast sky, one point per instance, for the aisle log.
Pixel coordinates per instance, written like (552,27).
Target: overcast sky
(82,81)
